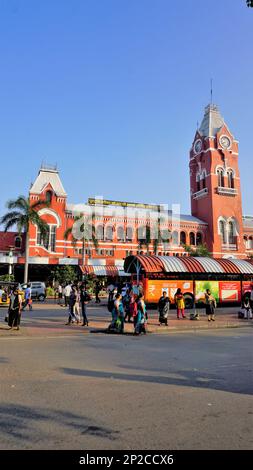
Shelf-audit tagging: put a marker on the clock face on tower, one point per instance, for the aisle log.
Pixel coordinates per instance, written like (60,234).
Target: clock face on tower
(198,146)
(225,141)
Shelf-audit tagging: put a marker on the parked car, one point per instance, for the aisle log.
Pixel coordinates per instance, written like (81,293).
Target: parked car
(38,290)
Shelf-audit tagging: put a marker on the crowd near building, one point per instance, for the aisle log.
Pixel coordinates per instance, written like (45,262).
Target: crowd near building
(126,228)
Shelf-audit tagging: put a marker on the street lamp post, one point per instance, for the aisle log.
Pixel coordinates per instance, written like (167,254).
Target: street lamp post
(10,254)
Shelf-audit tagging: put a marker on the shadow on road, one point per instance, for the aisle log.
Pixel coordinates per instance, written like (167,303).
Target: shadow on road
(187,378)
(24,424)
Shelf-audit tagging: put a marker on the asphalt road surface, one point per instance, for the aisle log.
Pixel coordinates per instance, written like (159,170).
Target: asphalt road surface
(96,391)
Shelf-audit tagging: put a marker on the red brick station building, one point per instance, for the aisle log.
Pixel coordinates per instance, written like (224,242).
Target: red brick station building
(216,214)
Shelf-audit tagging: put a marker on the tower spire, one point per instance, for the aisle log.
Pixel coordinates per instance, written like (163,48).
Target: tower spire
(211,91)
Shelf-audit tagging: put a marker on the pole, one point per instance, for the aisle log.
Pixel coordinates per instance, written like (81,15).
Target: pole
(138,268)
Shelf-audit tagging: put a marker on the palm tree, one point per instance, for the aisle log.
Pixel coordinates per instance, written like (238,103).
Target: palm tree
(85,230)
(22,214)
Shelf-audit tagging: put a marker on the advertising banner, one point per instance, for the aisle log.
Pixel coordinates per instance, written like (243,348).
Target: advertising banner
(155,288)
(200,289)
(230,291)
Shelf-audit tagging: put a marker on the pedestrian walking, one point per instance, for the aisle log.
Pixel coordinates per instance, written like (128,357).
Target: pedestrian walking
(15,308)
(163,308)
(60,291)
(126,304)
(76,308)
(117,323)
(84,300)
(71,303)
(67,291)
(210,305)
(133,308)
(142,317)
(28,297)
(97,290)
(180,304)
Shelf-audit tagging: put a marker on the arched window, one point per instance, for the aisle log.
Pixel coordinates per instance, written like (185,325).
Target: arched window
(250,243)
(230,179)
(141,233)
(109,233)
(220,174)
(49,196)
(222,231)
(231,237)
(204,179)
(182,238)
(18,242)
(198,182)
(99,232)
(120,234)
(192,238)
(199,238)
(175,238)
(129,234)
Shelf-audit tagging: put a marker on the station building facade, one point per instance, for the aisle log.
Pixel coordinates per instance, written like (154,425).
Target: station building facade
(126,228)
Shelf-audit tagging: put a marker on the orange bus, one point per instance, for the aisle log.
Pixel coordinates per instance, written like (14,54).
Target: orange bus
(229,280)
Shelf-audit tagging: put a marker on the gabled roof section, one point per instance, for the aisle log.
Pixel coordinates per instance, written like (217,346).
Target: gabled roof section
(45,177)
(212,121)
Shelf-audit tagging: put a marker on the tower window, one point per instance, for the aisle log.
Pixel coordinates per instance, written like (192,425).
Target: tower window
(222,231)
(230,179)
(220,174)
(204,180)
(231,238)
(49,196)
(198,182)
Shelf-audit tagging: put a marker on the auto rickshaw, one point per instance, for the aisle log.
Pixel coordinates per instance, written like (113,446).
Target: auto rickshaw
(6,287)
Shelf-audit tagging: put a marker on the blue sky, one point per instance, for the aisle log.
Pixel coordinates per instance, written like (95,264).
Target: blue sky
(111,91)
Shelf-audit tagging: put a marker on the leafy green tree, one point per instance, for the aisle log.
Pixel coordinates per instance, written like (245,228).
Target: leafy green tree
(21,214)
(200,250)
(64,274)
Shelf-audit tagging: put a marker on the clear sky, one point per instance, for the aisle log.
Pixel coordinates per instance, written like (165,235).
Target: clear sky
(111,91)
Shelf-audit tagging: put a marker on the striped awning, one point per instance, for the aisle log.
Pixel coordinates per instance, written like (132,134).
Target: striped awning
(171,263)
(187,264)
(112,271)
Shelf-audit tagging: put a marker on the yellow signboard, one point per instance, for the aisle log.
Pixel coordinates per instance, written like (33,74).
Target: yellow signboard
(105,202)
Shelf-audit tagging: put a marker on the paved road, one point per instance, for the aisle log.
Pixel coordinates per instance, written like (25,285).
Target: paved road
(93,391)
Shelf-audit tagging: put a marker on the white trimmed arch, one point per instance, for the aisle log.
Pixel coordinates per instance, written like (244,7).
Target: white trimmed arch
(46,211)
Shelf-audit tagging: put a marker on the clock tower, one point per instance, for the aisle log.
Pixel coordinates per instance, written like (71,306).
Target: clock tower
(215,185)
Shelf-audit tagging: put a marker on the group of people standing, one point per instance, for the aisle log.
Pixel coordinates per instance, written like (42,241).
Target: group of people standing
(131,308)
(164,306)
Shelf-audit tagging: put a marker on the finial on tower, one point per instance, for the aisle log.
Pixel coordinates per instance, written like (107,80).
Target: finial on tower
(211,91)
